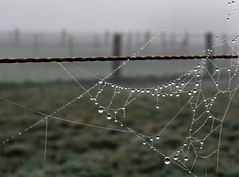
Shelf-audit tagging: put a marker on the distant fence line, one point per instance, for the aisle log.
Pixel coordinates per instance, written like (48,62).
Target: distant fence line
(71,44)
(117,43)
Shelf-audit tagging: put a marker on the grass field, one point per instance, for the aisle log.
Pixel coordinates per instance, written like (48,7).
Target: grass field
(77,150)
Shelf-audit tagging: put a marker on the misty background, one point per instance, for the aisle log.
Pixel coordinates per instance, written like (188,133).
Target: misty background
(77,141)
(87,28)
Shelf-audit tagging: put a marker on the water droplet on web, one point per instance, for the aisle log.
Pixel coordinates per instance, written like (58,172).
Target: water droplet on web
(186,158)
(100,110)
(167,160)
(175,157)
(157,137)
(109,116)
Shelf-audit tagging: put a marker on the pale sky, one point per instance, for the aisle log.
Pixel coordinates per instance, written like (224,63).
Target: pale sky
(117,15)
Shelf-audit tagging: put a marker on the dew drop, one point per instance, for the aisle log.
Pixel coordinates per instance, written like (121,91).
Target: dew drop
(186,158)
(100,110)
(167,160)
(109,116)
(175,157)
(157,137)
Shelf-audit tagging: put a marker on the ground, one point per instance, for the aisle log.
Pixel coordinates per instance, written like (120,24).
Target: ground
(77,150)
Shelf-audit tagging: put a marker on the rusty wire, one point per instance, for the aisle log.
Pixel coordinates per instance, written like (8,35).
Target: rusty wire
(112,58)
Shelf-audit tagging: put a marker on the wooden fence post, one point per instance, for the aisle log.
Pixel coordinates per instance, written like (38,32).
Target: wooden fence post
(17,37)
(129,44)
(36,44)
(225,46)
(64,37)
(116,52)
(209,51)
(70,46)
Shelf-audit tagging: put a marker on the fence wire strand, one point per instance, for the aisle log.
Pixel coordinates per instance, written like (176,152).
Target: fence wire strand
(112,58)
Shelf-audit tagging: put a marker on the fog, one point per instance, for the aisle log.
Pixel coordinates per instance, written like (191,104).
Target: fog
(124,15)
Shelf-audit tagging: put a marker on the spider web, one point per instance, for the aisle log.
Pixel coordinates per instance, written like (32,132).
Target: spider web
(191,87)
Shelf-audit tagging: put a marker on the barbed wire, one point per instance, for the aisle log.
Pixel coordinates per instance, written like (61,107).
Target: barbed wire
(112,58)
